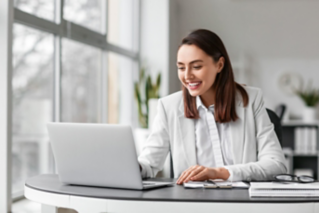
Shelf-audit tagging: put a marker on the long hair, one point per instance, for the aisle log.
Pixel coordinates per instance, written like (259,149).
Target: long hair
(226,87)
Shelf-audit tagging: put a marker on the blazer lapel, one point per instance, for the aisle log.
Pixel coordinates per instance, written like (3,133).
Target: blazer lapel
(237,129)
(187,136)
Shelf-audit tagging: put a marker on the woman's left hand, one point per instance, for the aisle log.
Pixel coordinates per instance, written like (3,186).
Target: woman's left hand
(197,173)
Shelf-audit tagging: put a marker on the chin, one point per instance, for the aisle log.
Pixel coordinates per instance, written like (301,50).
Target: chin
(193,93)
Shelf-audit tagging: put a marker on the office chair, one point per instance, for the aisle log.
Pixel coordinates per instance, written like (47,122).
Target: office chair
(280,111)
(277,124)
(273,118)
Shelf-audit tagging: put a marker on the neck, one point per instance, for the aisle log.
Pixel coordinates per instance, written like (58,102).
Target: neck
(208,98)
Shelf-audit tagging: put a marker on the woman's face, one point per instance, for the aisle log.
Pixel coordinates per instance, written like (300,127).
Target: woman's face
(196,70)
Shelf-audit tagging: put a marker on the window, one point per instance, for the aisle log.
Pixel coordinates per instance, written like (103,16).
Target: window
(41,8)
(80,82)
(87,13)
(121,21)
(121,72)
(69,67)
(31,101)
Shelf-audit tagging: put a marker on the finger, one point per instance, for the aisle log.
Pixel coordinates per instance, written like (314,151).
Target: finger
(181,177)
(204,175)
(193,173)
(200,176)
(185,174)
(189,174)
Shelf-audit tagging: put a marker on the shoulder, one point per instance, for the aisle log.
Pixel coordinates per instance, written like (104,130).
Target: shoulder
(252,91)
(172,101)
(254,94)
(256,101)
(172,98)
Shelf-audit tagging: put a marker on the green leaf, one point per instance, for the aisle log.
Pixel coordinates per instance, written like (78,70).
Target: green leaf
(142,74)
(158,80)
(137,93)
(150,90)
(310,96)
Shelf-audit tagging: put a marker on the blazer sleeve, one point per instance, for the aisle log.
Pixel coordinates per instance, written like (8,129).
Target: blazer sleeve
(270,158)
(156,148)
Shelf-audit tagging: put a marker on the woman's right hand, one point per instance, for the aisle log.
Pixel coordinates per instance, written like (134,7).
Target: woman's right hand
(200,173)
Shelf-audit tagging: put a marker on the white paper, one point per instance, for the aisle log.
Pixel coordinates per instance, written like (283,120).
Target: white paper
(283,185)
(216,184)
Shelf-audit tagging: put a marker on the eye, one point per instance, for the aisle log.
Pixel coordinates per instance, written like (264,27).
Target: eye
(181,68)
(197,67)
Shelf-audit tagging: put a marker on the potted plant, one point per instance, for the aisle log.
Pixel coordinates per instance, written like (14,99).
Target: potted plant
(146,94)
(144,91)
(310,97)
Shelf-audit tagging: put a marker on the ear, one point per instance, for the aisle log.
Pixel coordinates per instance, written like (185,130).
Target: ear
(220,64)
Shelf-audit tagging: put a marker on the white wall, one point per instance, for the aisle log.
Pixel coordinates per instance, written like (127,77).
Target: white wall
(271,37)
(154,46)
(154,43)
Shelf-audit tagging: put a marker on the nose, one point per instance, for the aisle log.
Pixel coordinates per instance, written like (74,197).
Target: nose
(188,74)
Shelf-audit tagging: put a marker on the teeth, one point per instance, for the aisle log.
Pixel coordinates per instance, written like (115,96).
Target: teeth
(195,84)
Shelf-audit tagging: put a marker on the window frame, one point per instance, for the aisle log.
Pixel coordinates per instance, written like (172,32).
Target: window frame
(6,34)
(61,28)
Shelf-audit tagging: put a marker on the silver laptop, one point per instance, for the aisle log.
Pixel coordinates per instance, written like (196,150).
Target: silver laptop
(97,155)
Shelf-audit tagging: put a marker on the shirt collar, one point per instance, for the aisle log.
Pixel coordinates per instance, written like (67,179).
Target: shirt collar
(199,104)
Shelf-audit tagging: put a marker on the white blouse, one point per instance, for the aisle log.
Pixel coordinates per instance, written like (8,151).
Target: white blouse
(204,146)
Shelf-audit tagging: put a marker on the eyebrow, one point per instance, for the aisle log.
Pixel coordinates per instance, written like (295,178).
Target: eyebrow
(198,60)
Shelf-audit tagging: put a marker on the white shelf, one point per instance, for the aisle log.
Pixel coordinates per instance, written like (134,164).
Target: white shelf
(299,122)
(305,155)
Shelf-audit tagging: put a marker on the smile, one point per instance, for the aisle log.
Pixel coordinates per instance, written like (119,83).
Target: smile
(194,86)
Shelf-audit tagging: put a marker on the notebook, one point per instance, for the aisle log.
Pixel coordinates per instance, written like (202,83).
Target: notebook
(213,184)
(279,189)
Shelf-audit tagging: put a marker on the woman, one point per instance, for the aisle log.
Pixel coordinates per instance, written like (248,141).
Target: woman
(214,128)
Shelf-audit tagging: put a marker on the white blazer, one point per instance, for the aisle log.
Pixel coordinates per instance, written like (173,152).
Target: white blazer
(256,150)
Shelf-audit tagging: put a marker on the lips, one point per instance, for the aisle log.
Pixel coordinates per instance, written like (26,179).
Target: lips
(194,85)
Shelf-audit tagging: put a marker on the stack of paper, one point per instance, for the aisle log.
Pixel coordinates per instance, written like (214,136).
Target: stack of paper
(278,189)
(215,184)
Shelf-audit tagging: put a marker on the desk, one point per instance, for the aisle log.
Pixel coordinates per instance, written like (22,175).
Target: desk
(47,190)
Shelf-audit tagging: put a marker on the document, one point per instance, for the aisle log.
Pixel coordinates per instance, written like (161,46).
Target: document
(213,184)
(283,189)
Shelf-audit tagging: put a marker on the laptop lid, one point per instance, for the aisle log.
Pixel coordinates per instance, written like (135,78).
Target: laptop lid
(95,154)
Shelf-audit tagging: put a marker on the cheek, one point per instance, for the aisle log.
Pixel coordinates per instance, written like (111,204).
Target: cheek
(209,76)
(181,76)
(212,79)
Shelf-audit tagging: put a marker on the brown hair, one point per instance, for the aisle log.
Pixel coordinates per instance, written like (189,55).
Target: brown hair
(225,84)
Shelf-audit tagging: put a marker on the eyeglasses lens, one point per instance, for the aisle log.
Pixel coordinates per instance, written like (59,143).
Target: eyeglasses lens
(306,179)
(284,177)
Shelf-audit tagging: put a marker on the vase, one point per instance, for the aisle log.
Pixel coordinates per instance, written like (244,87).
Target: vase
(309,114)
(152,111)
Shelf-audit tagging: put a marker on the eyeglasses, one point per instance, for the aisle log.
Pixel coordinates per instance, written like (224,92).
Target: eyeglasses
(294,178)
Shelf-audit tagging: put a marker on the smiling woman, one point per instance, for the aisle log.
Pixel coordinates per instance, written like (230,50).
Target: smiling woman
(212,74)
(214,128)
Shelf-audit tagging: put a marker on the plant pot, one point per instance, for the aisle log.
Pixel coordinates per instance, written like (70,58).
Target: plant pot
(152,111)
(309,114)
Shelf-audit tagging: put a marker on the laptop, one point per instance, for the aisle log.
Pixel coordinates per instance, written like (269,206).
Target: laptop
(101,155)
